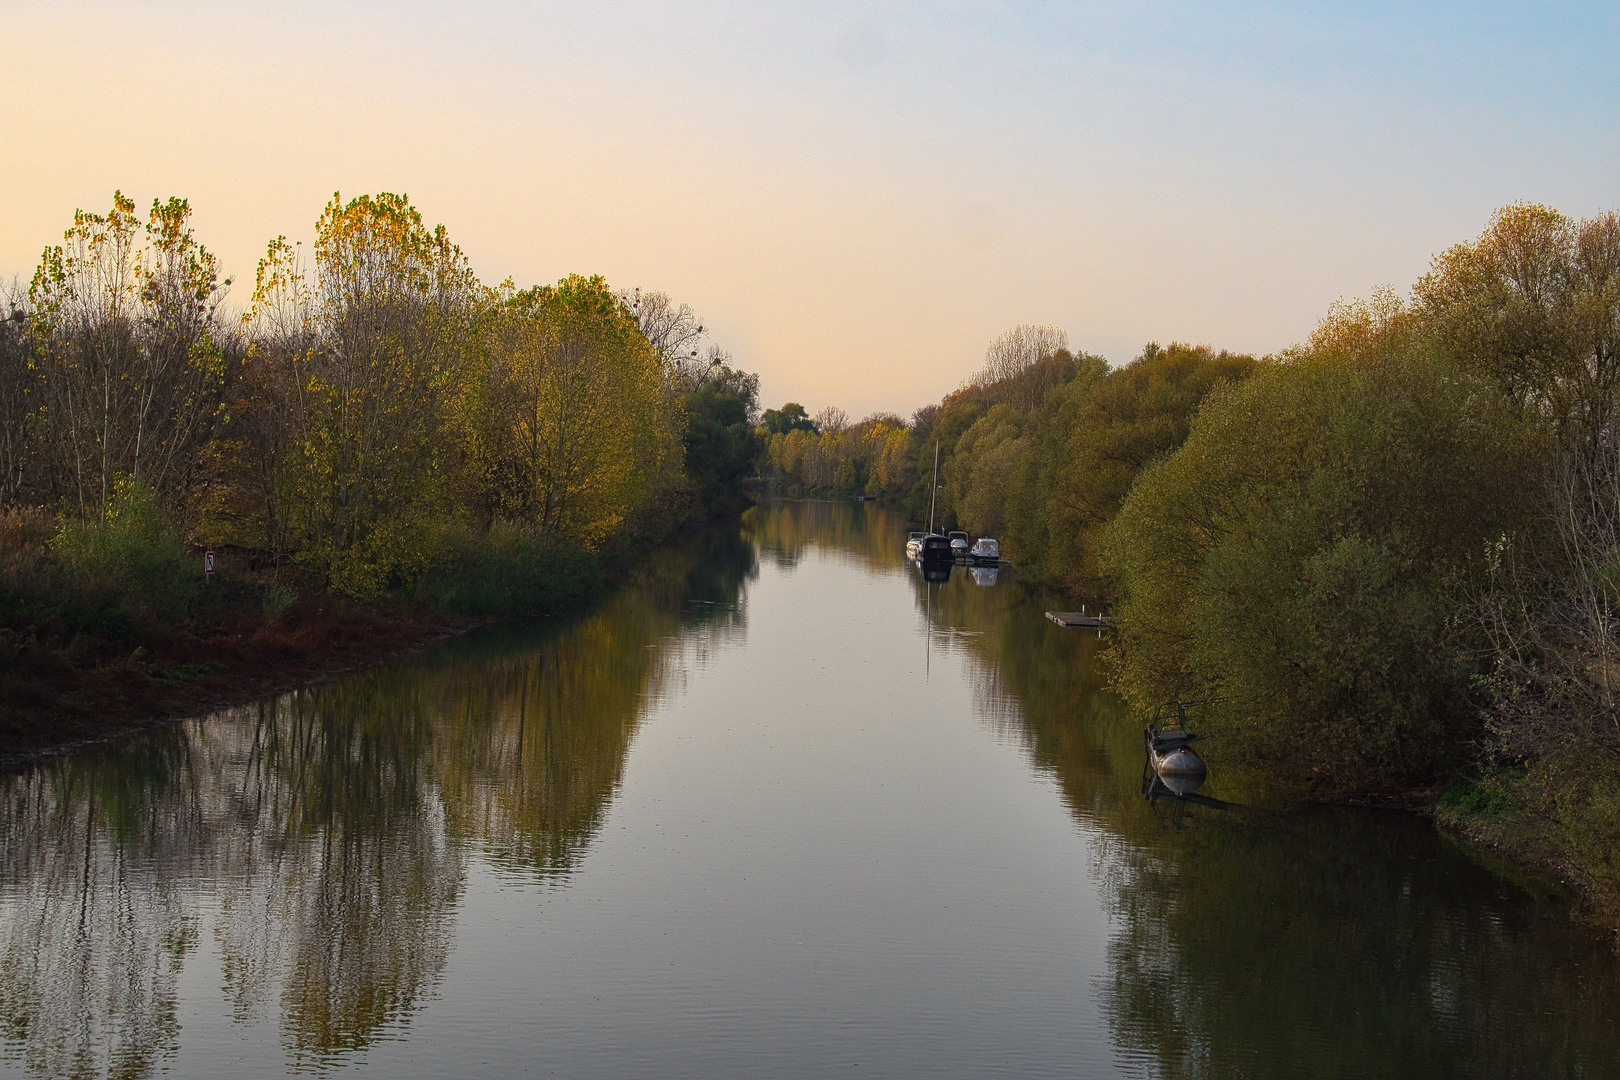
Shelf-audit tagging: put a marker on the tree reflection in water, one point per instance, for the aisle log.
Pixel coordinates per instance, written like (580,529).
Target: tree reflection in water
(1281,942)
(323,839)
(320,846)
(862,532)
(93,931)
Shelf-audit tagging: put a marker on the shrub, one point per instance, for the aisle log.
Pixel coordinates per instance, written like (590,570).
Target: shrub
(510,570)
(1300,559)
(132,554)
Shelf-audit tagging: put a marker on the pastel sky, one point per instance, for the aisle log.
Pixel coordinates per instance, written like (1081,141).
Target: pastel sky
(855,197)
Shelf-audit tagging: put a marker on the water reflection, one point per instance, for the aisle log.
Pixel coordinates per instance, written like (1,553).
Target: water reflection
(322,847)
(322,839)
(1263,943)
(862,532)
(1345,943)
(89,958)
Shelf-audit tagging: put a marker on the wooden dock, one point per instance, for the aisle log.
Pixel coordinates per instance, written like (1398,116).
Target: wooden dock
(1077,619)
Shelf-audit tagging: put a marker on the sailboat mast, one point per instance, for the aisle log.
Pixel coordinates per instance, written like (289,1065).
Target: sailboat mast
(933,492)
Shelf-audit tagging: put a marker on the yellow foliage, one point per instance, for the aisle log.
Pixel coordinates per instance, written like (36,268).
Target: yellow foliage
(566,418)
(868,458)
(366,355)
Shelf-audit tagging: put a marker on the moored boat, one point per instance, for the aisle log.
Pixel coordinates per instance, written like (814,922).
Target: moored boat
(959,544)
(1171,756)
(985,550)
(929,547)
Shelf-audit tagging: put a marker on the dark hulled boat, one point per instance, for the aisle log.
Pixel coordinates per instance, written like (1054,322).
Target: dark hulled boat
(929,547)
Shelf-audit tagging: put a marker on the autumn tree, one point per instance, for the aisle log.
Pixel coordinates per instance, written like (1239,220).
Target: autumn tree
(1015,352)
(673,330)
(571,427)
(18,379)
(365,352)
(1123,422)
(977,474)
(1532,304)
(1298,560)
(127,332)
(871,457)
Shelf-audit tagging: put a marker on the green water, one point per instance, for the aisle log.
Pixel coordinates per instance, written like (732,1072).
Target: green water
(779,808)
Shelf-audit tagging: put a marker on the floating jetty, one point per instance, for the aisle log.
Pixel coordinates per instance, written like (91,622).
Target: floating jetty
(1077,619)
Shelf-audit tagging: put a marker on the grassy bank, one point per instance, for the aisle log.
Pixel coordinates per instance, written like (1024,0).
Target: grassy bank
(1560,819)
(109,628)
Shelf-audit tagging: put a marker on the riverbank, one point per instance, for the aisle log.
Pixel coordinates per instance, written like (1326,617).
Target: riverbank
(1564,840)
(1521,823)
(84,661)
(957,815)
(54,701)
(99,641)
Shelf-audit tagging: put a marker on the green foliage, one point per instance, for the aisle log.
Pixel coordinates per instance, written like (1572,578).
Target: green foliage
(389,392)
(935,432)
(790,417)
(1299,559)
(133,552)
(1532,304)
(1116,427)
(128,362)
(1486,797)
(1043,457)
(278,599)
(981,460)
(1030,510)
(362,359)
(869,458)
(979,472)
(357,433)
(721,447)
(565,419)
(510,570)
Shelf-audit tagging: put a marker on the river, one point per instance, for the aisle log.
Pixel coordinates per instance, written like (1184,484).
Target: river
(778,808)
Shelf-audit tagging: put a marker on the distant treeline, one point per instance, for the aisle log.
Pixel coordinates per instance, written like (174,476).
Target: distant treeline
(1039,449)
(1389,557)
(376,411)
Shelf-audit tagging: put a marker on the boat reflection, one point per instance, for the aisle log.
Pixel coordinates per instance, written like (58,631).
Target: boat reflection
(937,573)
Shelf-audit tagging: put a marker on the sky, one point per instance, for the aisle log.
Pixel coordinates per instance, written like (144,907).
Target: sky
(855,198)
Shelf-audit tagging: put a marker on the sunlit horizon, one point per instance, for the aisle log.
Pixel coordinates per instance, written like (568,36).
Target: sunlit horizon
(855,200)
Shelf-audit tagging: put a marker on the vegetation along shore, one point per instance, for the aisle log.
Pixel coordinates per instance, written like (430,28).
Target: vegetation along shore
(379,450)
(1386,560)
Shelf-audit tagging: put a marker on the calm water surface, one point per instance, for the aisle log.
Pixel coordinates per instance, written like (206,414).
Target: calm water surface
(779,809)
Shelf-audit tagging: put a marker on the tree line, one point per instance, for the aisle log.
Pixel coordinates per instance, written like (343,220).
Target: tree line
(375,411)
(515,755)
(1388,557)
